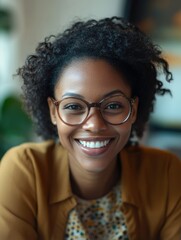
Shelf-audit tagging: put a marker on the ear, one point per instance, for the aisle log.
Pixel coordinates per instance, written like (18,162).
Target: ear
(52,110)
(134,110)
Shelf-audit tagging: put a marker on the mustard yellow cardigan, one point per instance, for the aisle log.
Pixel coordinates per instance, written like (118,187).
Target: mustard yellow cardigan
(36,196)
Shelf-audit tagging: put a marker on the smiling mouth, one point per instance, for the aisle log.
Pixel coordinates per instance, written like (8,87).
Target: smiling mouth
(94,144)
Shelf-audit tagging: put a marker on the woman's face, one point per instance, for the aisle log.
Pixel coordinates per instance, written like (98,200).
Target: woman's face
(92,80)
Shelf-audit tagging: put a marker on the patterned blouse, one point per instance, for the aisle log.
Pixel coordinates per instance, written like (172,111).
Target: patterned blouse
(99,219)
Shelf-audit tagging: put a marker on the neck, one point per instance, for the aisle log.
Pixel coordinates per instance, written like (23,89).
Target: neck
(92,185)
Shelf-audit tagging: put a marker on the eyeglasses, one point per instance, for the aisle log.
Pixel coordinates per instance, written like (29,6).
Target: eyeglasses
(114,110)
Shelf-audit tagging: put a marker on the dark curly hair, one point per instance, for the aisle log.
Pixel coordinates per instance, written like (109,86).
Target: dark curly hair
(118,42)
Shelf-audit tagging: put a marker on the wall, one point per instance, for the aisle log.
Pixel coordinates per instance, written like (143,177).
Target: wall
(43,17)
(10,45)
(36,19)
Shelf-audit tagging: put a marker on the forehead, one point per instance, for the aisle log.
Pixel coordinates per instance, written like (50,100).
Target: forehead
(91,79)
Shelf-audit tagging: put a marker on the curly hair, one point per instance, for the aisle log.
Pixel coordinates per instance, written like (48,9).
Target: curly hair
(114,39)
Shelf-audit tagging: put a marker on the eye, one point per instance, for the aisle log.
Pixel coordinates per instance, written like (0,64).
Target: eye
(73,108)
(114,107)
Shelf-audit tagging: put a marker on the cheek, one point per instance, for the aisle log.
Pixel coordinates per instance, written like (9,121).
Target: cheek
(124,132)
(65,132)
(62,132)
(125,128)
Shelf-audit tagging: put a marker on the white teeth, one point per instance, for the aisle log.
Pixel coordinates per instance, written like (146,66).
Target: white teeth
(94,144)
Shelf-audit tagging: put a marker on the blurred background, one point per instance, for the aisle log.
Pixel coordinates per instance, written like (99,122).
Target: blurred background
(25,23)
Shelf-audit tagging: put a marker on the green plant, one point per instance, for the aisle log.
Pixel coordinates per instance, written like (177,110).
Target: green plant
(6,20)
(15,125)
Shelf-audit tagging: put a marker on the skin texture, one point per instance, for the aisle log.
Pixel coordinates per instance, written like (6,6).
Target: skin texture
(92,80)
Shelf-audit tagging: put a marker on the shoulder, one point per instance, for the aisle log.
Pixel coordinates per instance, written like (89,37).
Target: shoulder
(151,155)
(155,165)
(32,156)
(33,150)
(30,147)
(31,164)
(153,173)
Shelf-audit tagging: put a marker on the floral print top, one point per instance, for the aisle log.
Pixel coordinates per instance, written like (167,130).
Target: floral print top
(99,219)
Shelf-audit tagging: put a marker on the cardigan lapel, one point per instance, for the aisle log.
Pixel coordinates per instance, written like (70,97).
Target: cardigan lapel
(129,159)
(60,188)
(60,198)
(130,192)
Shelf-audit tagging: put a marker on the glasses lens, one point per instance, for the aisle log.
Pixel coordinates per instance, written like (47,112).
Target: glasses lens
(116,109)
(73,111)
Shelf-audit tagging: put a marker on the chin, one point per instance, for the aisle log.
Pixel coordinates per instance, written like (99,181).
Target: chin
(94,167)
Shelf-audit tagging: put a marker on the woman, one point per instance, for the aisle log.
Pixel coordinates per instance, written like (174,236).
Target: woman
(90,90)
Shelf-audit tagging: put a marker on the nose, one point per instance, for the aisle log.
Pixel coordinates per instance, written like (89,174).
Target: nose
(95,121)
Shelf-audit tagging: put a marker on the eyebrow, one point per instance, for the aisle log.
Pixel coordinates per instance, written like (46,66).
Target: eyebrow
(71,94)
(112,93)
